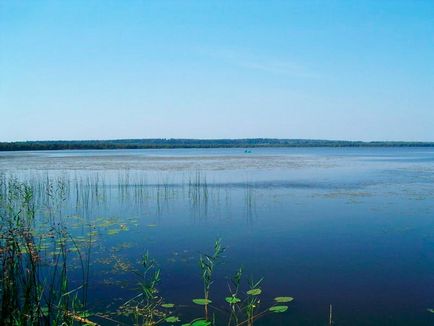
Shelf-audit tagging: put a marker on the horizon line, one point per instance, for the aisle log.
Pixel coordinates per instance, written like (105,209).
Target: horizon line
(213,139)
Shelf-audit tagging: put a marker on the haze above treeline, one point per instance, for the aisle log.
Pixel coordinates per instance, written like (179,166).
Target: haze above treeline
(156,143)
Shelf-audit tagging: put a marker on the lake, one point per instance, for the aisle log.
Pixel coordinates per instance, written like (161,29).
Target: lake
(347,227)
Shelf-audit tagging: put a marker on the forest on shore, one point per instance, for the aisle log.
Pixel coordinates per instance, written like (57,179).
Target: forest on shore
(156,143)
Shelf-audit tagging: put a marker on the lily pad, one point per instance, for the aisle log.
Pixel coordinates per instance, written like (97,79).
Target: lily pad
(202,302)
(172,319)
(168,305)
(283,299)
(254,292)
(201,322)
(278,309)
(232,300)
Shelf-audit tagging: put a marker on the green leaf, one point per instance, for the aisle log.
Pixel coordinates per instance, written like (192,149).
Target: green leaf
(168,305)
(232,300)
(202,302)
(254,292)
(278,309)
(172,319)
(201,322)
(283,299)
(430,310)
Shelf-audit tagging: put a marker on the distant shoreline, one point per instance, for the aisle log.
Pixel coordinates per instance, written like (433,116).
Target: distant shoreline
(195,143)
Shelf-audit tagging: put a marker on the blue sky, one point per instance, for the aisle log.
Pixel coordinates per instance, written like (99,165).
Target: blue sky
(360,70)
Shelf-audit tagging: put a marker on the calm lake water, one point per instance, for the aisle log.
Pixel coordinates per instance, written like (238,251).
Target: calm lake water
(349,227)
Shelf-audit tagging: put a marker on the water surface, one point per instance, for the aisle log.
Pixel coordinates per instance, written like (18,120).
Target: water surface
(351,227)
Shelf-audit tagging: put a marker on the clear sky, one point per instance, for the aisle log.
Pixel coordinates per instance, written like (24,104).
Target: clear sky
(356,70)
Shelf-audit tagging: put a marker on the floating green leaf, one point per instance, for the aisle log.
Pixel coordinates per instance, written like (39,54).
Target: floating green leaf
(283,299)
(172,319)
(202,301)
(431,310)
(254,292)
(168,305)
(113,232)
(232,300)
(201,322)
(278,309)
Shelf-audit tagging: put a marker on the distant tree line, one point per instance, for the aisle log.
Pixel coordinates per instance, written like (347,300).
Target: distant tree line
(196,143)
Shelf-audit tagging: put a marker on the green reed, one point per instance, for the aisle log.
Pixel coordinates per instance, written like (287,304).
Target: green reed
(35,288)
(38,253)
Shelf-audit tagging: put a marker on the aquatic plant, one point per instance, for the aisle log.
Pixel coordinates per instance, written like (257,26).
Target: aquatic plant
(39,253)
(207,264)
(148,307)
(243,311)
(35,289)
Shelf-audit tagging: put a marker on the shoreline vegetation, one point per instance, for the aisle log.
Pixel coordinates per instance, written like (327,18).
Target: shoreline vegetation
(46,268)
(171,143)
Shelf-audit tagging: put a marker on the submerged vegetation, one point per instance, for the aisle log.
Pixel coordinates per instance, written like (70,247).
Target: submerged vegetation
(47,254)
